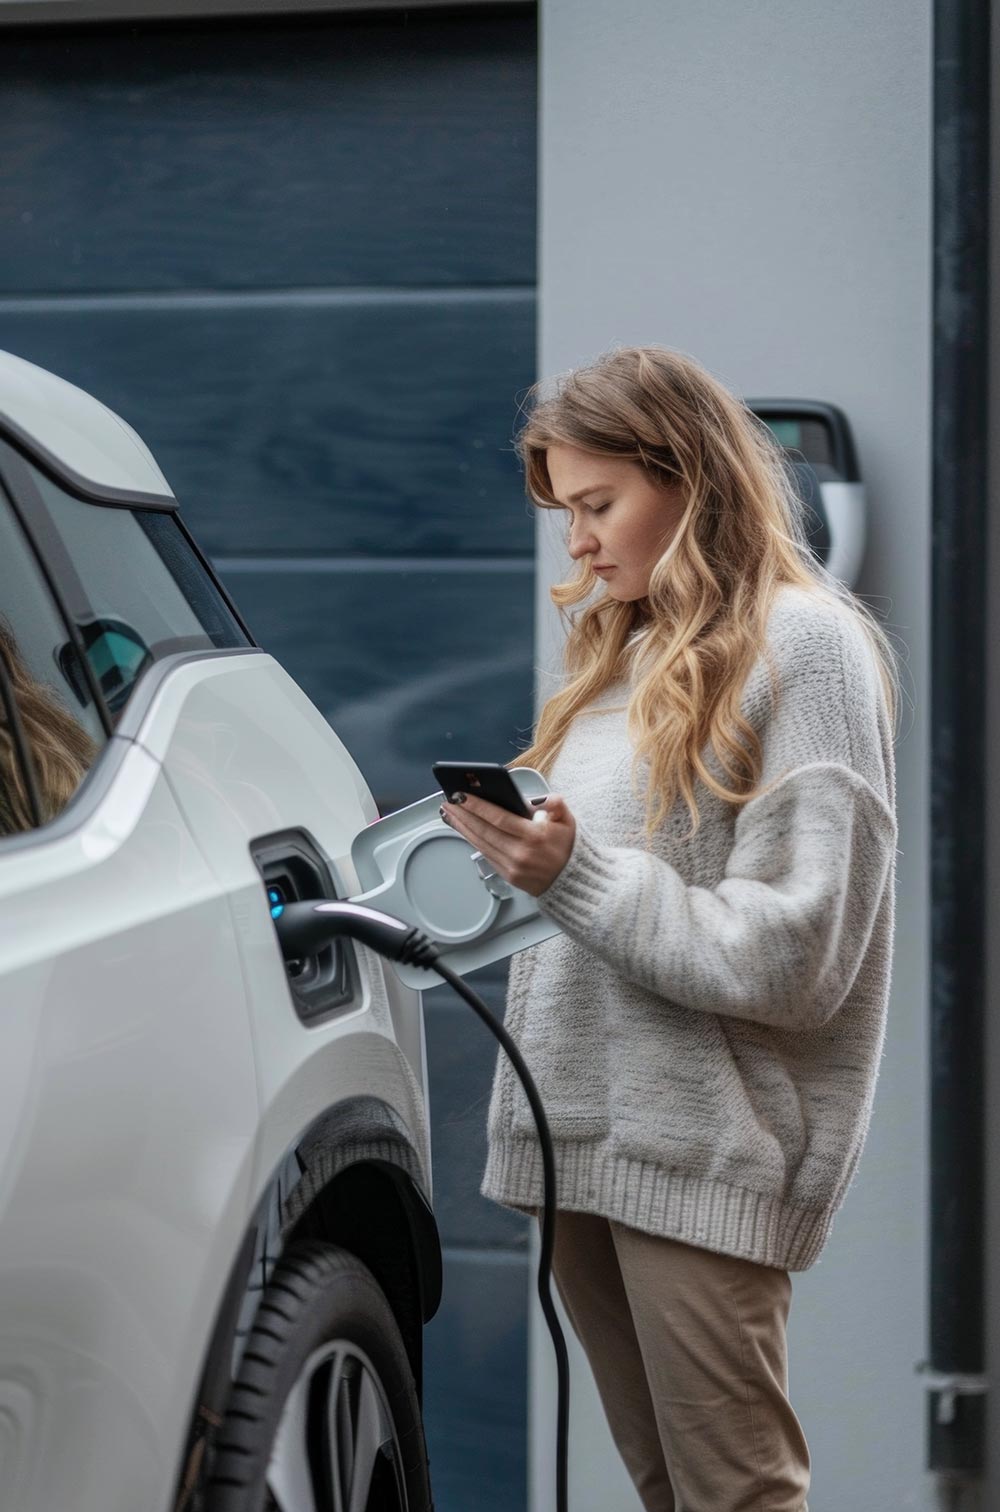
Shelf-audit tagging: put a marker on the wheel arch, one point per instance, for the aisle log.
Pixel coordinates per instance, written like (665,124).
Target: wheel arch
(352,1178)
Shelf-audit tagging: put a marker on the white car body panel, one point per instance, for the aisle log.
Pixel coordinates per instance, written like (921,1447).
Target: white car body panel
(247,753)
(129,1120)
(140,1129)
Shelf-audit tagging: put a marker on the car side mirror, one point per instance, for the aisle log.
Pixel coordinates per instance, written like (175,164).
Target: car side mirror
(117,654)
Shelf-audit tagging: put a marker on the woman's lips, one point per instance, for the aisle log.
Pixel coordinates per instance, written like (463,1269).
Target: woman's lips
(609,568)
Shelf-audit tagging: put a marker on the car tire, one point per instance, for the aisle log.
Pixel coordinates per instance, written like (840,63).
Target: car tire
(324,1389)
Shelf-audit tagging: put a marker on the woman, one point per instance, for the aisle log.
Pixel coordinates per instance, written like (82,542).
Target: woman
(706,1028)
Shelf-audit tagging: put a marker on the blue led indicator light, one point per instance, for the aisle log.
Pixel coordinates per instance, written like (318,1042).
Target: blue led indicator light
(277,910)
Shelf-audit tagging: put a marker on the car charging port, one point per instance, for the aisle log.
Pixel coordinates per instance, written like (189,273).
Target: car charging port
(293,870)
(280,892)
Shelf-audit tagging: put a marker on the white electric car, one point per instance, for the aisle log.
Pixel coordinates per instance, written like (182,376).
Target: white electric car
(217,1246)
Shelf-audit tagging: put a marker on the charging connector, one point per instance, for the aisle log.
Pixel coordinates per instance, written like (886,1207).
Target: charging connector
(302,929)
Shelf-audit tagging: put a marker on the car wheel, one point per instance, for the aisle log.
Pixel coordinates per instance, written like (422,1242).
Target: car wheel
(323,1415)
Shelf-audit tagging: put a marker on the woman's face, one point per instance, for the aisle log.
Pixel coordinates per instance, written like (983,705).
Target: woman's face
(617,516)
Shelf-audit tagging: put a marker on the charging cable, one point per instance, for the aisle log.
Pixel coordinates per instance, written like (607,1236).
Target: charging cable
(304,928)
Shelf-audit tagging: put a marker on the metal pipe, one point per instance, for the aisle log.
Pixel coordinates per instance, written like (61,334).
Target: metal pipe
(956,1408)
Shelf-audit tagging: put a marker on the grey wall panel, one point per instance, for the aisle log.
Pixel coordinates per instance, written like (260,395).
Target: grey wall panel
(475,1385)
(355,151)
(410,666)
(325,423)
(765,173)
(461,1056)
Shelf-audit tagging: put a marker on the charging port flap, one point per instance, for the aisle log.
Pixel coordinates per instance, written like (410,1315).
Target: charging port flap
(417,868)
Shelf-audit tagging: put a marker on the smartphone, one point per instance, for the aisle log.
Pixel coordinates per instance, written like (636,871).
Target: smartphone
(484,779)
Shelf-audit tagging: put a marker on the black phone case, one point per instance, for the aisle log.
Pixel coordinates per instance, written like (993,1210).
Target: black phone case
(484,779)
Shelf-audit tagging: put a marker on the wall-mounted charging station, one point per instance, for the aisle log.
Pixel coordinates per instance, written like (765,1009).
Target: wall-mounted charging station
(819,448)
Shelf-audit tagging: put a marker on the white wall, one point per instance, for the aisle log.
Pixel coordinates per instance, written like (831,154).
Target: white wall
(751,183)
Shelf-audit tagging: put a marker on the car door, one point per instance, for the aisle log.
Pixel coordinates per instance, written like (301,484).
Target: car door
(128,1099)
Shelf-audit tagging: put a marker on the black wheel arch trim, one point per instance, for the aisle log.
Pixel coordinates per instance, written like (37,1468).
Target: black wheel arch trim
(361,1130)
(366,1130)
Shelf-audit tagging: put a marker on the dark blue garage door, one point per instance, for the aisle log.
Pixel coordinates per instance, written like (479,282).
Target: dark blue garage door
(300,259)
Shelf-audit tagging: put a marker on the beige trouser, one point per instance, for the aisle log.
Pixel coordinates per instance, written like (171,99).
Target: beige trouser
(687,1347)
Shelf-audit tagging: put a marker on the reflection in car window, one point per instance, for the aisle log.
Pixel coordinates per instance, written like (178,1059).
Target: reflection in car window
(61,738)
(149,594)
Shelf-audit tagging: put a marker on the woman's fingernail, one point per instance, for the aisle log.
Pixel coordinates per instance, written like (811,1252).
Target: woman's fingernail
(458,797)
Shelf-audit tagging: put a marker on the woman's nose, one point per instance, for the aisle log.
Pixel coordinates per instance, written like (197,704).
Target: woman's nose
(581,543)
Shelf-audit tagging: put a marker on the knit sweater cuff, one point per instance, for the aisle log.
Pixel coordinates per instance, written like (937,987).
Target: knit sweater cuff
(581,888)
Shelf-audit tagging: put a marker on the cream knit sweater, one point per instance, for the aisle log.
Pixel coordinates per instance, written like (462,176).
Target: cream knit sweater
(705,1032)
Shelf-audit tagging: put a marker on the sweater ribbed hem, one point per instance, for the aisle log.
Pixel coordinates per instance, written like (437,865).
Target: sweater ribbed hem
(641,1194)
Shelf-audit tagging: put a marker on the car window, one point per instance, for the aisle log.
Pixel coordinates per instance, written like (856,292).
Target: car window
(48,739)
(148,593)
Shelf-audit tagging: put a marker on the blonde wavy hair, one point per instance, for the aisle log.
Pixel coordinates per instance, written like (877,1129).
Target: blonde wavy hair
(741,536)
(60,748)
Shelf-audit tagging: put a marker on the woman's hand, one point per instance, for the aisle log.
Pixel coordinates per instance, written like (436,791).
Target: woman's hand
(528,853)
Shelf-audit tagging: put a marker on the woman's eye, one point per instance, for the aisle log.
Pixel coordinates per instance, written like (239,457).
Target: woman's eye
(598,510)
